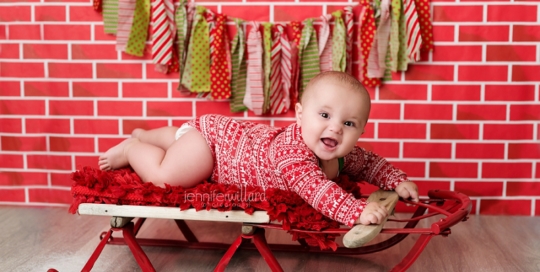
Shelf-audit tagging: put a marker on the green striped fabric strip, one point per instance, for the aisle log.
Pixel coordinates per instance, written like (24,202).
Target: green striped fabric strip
(309,56)
(110,16)
(267,63)
(239,69)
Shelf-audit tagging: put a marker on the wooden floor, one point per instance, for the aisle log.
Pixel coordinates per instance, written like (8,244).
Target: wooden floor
(36,239)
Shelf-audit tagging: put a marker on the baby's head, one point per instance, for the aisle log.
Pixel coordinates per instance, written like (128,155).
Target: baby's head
(332,114)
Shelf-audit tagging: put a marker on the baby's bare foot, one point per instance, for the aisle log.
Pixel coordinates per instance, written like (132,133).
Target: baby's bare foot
(115,157)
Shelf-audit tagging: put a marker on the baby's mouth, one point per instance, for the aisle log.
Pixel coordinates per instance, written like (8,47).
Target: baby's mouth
(329,142)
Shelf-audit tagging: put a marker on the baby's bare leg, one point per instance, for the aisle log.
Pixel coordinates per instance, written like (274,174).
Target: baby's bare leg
(187,161)
(162,137)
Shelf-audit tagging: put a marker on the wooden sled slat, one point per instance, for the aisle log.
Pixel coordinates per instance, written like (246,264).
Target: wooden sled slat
(172,213)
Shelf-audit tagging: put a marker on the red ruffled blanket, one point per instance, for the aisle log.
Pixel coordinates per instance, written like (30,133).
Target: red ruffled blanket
(124,187)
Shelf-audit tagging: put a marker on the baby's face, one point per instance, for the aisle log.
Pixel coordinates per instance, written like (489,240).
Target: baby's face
(332,117)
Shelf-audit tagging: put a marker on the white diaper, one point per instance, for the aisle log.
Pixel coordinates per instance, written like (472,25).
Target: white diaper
(182,130)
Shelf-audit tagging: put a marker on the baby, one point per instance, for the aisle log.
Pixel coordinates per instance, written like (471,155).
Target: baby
(303,157)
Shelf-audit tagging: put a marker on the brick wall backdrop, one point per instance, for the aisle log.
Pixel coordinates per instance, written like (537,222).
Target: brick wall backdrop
(466,118)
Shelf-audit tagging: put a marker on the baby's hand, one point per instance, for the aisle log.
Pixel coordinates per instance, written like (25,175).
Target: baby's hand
(373,213)
(408,190)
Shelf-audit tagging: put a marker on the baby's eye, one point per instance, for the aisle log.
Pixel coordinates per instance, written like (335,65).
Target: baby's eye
(324,115)
(349,124)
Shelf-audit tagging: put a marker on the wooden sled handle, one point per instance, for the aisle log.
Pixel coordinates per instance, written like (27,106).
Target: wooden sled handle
(361,234)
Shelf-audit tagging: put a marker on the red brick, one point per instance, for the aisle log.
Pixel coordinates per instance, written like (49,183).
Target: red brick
(505,207)
(385,111)
(15,13)
(70,107)
(512,13)
(9,51)
(443,33)
(46,88)
(25,32)
(60,179)
(537,172)
(424,186)
(22,69)
(524,151)
(455,131)
(93,126)
(403,92)
(145,89)
(10,88)
(23,178)
(70,70)
(82,161)
(427,150)
(456,53)
(100,35)
(173,109)
(456,92)
(123,70)
(453,169)
(384,149)
(129,125)
(50,162)
(3,35)
(151,73)
(508,132)
(477,188)
(66,32)
(43,125)
(511,53)
(105,143)
(206,107)
(430,72)
(402,130)
(95,89)
(45,51)
(509,92)
(119,108)
(526,33)
(413,169)
(299,13)
(489,73)
(428,111)
(522,189)
(11,125)
(50,13)
(506,170)
(71,144)
(484,33)
(525,112)
(12,195)
(11,161)
(39,195)
(248,13)
(481,112)
(93,51)
(457,14)
(479,151)
(81,14)
(525,73)
(24,143)
(27,107)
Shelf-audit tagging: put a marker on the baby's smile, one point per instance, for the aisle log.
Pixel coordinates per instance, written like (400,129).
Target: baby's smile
(329,142)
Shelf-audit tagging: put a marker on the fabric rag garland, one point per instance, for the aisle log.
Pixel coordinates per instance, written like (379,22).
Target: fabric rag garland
(265,68)
(124,187)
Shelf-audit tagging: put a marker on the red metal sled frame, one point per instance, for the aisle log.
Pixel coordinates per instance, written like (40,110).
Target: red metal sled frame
(454,206)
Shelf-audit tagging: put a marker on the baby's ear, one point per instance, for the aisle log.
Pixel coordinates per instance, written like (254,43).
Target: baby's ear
(298,111)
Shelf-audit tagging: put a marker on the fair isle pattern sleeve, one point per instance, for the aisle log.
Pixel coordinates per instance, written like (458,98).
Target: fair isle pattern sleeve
(362,165)
(299,167)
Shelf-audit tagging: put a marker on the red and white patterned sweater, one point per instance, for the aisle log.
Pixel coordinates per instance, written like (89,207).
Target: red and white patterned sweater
(247,153)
